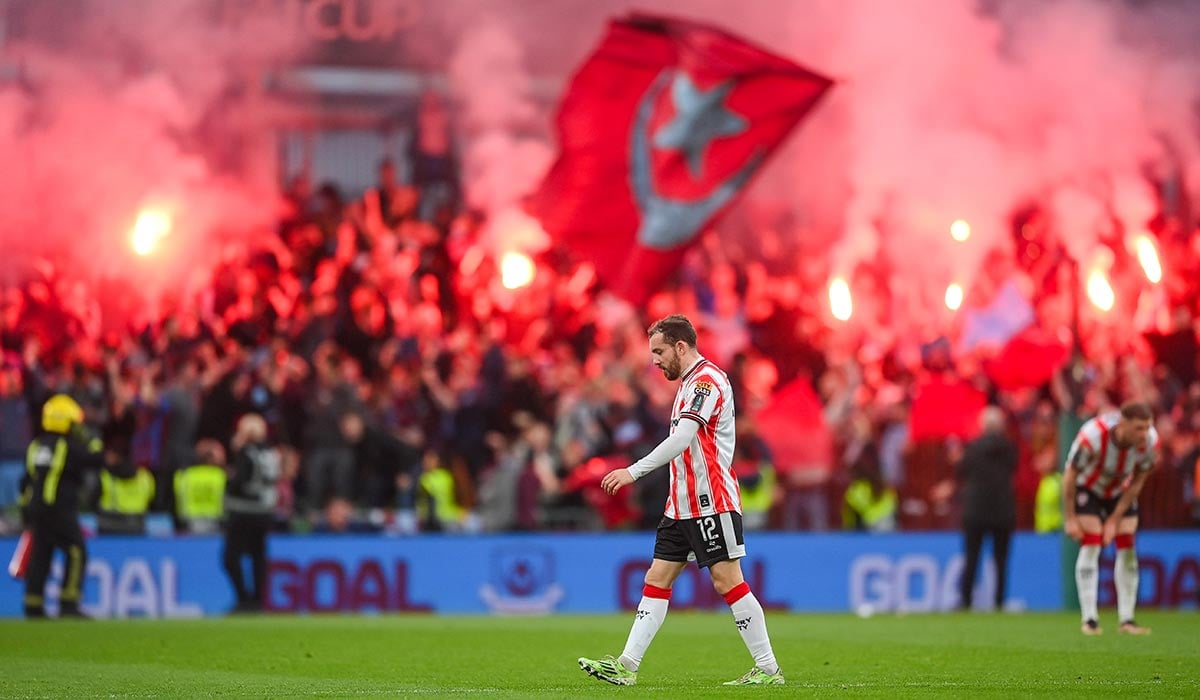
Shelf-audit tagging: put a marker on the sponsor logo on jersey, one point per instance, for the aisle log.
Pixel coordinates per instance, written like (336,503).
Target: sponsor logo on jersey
(704,388)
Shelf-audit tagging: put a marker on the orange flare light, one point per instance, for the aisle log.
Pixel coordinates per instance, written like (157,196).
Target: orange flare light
(840,302)
(516,270)
(954,296)
(1100,292)
(1147,255)
(960,231)
(150,228)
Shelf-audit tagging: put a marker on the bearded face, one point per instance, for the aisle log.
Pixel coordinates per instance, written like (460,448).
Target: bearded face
(665,357)
(1132,432)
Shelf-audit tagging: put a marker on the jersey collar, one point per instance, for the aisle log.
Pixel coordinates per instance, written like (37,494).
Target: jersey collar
(695,365)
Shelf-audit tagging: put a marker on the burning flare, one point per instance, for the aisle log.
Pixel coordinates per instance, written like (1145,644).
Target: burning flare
(1147,255)
(960,231)
(1099,291)
(954,296)
(516,270)
(151,227)
(840,302)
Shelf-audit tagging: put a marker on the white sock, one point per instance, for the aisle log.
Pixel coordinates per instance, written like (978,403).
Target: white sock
(752,625)
(651,612)
(1087,580)
(1125,576)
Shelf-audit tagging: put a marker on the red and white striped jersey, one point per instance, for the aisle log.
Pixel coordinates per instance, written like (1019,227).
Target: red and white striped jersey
(702,478)
(1103,468)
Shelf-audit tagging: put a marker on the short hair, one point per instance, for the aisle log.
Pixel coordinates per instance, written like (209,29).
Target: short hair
(209,451)
(1136,410)
(252,427)
(674,328)
(992,420)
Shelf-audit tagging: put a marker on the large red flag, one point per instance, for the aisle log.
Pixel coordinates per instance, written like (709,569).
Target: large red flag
(944,408)
(1027,361)
(659,131)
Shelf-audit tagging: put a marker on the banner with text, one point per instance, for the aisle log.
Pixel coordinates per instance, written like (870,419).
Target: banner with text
(183,577)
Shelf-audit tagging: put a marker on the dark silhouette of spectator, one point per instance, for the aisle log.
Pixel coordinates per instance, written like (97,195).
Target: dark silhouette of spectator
(328,459)
(251,497)
(985,476)
(380,459)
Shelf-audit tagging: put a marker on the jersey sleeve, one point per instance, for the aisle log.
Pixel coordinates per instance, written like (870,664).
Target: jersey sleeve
(1082,453)
(701,398)
(1148,459)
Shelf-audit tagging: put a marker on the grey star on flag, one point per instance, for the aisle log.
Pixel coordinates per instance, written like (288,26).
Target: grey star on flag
(700,117)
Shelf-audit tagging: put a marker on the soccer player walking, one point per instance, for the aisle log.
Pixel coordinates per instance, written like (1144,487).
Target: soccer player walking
(703,520)
(1105,471)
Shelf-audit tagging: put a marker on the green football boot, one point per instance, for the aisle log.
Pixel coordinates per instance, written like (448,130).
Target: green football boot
(757,676)
(608,669)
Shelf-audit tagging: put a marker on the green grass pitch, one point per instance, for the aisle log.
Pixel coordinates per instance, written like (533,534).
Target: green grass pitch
(957,655)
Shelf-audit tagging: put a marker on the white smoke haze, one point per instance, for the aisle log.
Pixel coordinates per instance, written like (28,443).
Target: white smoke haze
(943,110)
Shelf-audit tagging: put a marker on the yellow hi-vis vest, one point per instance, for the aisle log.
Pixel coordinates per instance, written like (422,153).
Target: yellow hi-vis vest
(131,496)
(876,512)
(439,484)
(757,498)
(1047,504)
(200,492)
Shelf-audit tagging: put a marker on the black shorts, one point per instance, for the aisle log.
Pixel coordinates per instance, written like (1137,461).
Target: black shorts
(1089,503)
(705,540)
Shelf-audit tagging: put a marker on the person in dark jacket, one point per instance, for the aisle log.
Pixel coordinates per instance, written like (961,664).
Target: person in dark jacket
(985,476)
(56,463)
(250,499)
(381,459)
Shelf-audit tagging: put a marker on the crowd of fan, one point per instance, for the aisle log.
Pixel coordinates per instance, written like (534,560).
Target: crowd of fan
(409,390)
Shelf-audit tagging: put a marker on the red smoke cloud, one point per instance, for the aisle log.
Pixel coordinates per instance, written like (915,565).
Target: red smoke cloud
(119,107)
(944,110)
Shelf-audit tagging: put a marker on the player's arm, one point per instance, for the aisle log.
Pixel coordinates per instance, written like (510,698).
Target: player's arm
(1079,451)
(1126,500)
(1070,524)
(1111,524)
(666,451)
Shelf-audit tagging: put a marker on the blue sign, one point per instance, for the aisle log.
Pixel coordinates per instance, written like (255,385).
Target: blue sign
(183,577)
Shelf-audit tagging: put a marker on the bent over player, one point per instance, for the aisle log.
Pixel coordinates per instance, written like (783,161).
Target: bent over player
(1105,471)
(703,520)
